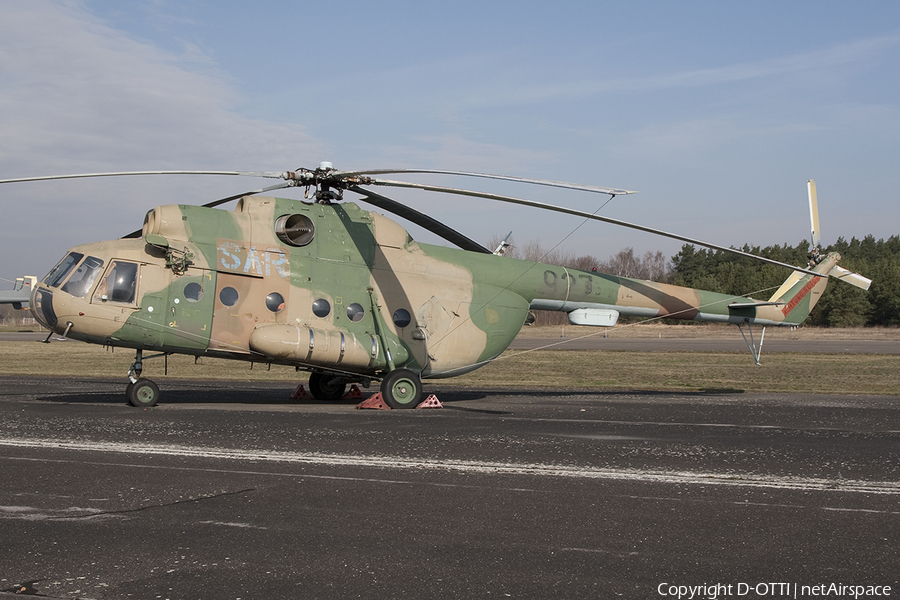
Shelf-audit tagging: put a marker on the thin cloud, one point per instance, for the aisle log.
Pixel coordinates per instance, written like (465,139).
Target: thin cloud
(80,96)
(825,58)
(108,99)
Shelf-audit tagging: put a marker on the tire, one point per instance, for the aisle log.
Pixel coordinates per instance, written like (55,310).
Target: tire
(326,387)
(401,389)
(143,393)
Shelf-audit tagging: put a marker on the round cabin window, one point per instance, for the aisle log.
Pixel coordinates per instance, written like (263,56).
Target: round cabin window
(321,307)
(193,292)
(401,317)
(275,302)
(228,296)
(355,312)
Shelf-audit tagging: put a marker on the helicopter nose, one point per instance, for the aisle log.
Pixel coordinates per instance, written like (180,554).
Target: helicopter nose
(42,308)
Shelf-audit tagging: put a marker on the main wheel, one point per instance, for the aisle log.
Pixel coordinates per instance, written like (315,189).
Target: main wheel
(401,389)
(326,387)
(142,393)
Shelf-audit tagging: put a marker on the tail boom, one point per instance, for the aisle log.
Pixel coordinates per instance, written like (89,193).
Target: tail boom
(790,305)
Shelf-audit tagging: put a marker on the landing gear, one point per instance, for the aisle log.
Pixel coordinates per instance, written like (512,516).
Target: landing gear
(401,389)
(326,387)
(754,347)
(140,392)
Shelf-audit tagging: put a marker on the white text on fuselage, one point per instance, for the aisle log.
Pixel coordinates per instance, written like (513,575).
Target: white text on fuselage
(250,260)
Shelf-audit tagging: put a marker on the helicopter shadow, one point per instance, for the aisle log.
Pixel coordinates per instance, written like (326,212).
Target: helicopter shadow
(207,393)
(181,392)
(450,395)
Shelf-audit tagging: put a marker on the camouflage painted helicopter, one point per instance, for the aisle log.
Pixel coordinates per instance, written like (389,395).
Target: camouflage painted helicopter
(348,295)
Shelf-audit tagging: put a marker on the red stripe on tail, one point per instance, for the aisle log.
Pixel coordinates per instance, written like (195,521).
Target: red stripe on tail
(800,296)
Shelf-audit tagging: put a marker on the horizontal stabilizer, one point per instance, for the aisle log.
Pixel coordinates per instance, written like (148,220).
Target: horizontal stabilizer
(20,295)
(736,305)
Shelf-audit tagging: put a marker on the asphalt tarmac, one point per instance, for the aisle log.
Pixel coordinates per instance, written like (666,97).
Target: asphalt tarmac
(235,491)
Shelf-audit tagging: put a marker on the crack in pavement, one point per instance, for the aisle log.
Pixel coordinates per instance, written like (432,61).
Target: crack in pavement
(152,506)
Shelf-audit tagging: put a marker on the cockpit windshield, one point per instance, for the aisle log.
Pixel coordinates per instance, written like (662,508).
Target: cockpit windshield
(79,284)
(59,273)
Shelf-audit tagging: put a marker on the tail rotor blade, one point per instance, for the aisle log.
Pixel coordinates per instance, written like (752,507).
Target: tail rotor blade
(815,236)
(850,277)
(837,272)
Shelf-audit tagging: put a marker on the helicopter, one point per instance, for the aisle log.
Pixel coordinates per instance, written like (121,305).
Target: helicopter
(348,295)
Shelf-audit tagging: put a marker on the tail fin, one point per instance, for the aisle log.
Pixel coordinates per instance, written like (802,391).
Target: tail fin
(800,292)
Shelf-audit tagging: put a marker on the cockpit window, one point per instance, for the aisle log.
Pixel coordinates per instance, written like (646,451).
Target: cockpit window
(82,279)
(59,273)
(119,284)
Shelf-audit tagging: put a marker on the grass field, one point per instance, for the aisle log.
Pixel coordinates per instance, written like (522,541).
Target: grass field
(675,371)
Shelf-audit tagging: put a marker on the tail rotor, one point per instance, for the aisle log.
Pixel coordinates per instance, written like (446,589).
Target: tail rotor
(837,272)
(814,237)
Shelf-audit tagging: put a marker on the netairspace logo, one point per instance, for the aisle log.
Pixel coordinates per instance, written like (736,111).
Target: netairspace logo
(726,591)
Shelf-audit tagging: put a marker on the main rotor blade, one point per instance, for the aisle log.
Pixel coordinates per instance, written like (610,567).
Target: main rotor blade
(420,219)
(586,215)
(558,184)
(270,174)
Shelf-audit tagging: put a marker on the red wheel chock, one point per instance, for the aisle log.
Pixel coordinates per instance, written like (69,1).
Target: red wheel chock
(353,393)
(377,401)
(430,402)
(299,393)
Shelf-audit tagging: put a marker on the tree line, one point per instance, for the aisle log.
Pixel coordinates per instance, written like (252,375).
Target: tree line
(842,305)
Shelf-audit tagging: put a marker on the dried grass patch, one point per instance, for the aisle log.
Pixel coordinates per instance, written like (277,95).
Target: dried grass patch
(678,371)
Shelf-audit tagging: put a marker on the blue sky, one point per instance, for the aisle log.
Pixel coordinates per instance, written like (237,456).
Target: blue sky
(716,112)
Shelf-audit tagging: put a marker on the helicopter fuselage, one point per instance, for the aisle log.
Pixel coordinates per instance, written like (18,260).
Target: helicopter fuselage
(345,290)
(332,287)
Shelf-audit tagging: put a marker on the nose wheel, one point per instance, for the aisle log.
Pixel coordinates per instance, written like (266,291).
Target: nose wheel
(140,392)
